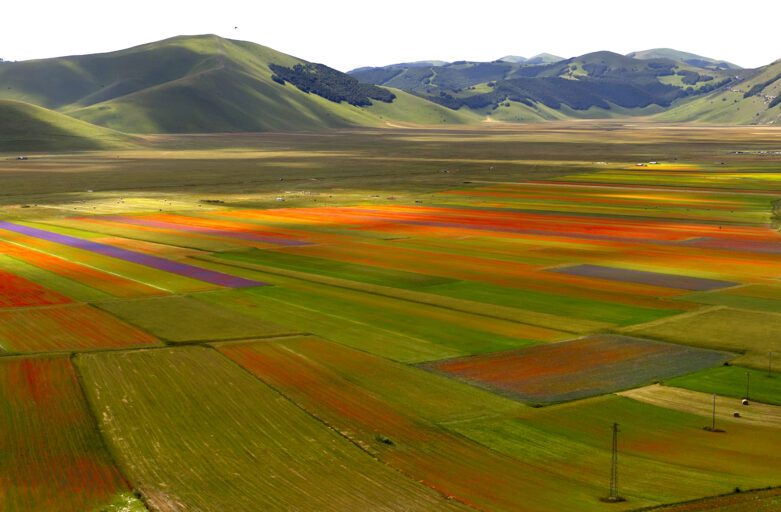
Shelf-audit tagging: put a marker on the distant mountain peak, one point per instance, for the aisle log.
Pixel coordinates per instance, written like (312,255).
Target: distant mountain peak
(544,58)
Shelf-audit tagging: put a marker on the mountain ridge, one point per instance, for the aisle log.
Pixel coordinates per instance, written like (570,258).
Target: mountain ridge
(207,84)
(189,84)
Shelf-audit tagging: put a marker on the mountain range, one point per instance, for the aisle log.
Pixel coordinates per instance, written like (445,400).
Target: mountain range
(202,84)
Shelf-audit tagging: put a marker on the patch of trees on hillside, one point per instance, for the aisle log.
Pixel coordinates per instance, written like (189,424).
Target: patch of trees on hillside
(330,84)
(692,77)
(555,92)
(758,88)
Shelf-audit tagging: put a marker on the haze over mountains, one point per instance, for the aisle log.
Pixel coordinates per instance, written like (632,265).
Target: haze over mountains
(198,84)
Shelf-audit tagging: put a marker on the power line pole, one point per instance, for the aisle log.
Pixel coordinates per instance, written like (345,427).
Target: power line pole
(613,497)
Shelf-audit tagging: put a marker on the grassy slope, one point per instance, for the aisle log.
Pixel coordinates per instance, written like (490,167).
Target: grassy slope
(729,106)
(26,127)
(196,84)
(677,55)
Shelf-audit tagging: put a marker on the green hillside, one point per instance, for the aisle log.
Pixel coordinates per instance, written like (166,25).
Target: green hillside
(25,127)
(544,58)
(755,99)
(513,89)
(195,84)
(684,57)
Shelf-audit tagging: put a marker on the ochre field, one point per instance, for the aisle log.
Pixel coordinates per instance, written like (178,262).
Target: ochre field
(392,320)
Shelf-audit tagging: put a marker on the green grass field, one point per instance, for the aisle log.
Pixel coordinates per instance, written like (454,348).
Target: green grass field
(666,456)
(717,329)
(732,381)
(184,319)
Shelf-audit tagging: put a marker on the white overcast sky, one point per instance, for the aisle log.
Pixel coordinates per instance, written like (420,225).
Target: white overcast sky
(349,34)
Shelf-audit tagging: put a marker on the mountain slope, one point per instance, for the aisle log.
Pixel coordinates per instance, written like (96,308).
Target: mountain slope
(194,84)
(684,57)
(25,127)
(543,58)
(755,99)
(599,84)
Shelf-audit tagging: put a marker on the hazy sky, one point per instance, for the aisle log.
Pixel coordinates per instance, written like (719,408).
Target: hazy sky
(349,34)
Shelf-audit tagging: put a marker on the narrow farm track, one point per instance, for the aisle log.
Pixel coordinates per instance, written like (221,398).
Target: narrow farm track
(701,404)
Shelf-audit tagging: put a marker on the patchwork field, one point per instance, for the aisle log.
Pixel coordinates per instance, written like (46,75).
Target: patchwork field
(665,455)
(733,381)
(184,319)
(52,455)
(66,329)
(694,402)
(396,319)
(590,366)
(215,438)
(755,336)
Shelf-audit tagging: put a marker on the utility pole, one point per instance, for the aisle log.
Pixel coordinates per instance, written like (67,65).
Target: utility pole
(613,497)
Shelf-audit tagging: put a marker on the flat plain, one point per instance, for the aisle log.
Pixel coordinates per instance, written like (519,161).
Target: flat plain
(393,319)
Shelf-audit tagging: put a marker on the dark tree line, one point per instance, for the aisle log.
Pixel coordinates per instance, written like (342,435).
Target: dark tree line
(758,88)
(580,94)
(331,84)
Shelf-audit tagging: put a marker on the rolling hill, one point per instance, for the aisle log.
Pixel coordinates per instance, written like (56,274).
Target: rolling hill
(202,84)
(683,57)
(754,99)
(208,84)
(600,84)
(25,127)
(542,58)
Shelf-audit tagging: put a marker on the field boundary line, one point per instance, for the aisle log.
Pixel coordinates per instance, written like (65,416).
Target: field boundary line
(330,427)
(705,500)
(135,490)
(130,236)
(662,321)
(543,320)
(164,344)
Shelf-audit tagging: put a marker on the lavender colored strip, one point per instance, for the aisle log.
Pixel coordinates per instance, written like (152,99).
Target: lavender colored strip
(182,269)
(253,237)
(643,277)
